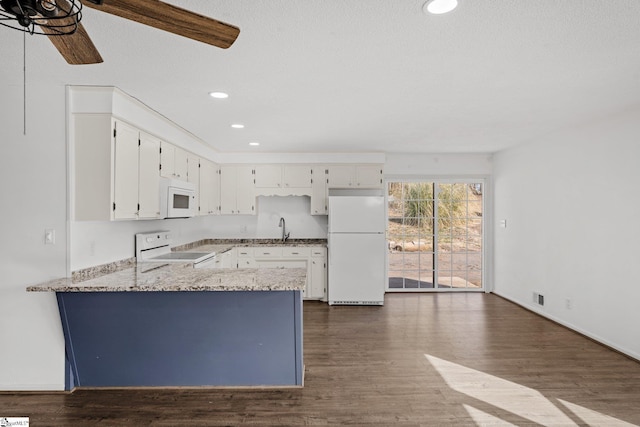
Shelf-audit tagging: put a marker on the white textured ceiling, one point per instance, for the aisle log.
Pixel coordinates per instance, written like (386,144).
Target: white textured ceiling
(366,75)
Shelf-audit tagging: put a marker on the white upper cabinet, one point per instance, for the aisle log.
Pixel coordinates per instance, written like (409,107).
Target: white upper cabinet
(246,197)
(355,176)
(228,190)
(193,169)
(209,188)
(283,179)
(237,190)
(125,171)
(369,176)
(268,176)
(193,176)
(296,176)
(115,170)
(149,177)
(318,190)
(174,161)
(340,176)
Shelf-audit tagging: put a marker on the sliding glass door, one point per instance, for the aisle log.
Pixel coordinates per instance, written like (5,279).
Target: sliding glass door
(435,235)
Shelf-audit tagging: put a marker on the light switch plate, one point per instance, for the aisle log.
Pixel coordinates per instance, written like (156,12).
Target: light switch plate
(49,236)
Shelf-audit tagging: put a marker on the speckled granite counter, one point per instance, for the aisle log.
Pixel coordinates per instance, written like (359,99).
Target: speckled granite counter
(151,277)
(229,243)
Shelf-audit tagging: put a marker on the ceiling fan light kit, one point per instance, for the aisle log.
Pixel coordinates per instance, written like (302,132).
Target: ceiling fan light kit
(45,17)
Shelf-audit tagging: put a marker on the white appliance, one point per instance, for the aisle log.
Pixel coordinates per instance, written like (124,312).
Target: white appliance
(357,247)
(155,246)
(177,198)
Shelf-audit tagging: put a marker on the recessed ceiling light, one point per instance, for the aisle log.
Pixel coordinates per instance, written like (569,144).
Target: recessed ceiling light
(219,95)
(237,126)
(438,7)
(254,144)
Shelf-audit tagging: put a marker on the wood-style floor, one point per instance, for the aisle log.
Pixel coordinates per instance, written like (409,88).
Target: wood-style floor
(422,359)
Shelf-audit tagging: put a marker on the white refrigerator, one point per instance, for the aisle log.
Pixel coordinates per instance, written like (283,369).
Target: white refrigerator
(357,247)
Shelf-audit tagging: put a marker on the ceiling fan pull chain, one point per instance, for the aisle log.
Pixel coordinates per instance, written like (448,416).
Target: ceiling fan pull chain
(24,83)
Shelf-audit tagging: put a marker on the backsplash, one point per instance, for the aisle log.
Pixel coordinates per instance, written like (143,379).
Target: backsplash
(96,243)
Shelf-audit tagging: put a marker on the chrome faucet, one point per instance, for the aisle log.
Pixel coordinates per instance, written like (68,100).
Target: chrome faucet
(285,235)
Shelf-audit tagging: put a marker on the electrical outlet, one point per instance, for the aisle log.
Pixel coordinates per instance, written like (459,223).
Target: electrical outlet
(568,303)
(540,299)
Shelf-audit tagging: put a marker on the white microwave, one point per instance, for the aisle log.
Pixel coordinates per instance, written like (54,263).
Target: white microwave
(177,198)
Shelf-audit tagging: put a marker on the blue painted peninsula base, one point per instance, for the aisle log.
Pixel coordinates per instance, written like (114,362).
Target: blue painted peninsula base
(167,339)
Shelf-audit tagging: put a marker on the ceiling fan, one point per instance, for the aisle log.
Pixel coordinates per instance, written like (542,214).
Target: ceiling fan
(60,21)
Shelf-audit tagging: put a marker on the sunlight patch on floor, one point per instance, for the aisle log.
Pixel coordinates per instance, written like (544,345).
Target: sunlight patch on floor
(482,419)
(594,418)
(515,398)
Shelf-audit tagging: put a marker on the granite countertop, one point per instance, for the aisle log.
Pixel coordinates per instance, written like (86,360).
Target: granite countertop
(149,277)
(222,245)
(129,276)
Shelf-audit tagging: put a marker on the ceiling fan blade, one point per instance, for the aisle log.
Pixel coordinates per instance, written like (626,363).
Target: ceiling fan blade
(171,18)
(76,48)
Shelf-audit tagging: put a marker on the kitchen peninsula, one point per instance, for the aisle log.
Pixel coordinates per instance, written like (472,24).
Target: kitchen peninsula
(166,325)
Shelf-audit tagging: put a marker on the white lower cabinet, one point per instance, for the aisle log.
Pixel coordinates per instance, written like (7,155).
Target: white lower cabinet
(224,260)
(317,276)
(313,258)
(245,258)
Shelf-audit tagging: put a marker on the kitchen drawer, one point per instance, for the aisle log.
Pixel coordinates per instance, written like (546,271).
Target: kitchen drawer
(318,252)
(296,252)
(267,252)
(244,252)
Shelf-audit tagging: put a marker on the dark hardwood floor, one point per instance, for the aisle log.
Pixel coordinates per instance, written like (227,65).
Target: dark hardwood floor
(422,359)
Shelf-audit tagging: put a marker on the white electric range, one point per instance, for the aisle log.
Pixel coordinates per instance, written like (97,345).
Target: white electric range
(156,247)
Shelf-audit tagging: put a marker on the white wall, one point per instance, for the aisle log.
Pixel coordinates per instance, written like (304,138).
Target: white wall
(93,243)
(573,227)
(456,165)
(33,199)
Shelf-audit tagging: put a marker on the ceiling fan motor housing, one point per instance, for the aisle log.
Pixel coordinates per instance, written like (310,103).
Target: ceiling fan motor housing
(26,10)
